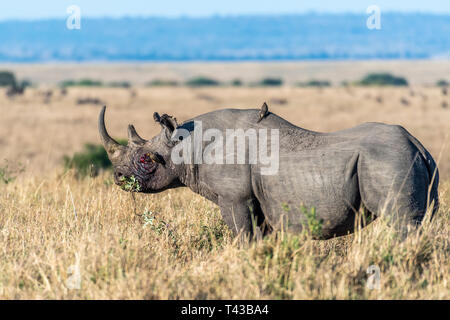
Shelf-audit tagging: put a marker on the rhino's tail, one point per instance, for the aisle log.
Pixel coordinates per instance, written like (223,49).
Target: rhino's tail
(433,176)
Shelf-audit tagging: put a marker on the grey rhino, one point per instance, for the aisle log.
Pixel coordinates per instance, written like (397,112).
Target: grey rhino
(381,168)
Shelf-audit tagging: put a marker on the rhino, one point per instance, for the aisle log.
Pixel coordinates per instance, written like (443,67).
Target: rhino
(376,168)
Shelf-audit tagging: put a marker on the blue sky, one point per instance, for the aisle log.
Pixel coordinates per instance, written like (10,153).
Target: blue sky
(28,9)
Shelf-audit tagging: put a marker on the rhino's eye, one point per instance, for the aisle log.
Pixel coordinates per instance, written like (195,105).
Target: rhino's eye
(180,135)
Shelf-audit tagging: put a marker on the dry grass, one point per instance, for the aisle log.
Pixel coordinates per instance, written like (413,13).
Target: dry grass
(182,249)
(186,251)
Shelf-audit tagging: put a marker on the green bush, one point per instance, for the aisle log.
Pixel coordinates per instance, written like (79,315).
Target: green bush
(236,83)
(202,82)
(91,159)
(7,79)
(382,79)
(119,84)
(67,83)
(315,83)
(442,83)
(271,82)
(162,83)
(81,83)
(8,173)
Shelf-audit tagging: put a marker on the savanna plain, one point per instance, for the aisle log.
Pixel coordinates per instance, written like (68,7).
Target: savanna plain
(63,236)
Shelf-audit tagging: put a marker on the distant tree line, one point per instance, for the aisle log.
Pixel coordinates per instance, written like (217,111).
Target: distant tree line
(8,79)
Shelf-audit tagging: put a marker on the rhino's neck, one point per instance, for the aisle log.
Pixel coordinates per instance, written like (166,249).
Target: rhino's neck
(188,174)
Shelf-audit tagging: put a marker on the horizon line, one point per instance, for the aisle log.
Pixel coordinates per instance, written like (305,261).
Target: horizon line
(224,15)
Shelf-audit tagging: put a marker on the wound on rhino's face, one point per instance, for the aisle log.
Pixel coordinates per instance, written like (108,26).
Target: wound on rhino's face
(139,161)
(147,164)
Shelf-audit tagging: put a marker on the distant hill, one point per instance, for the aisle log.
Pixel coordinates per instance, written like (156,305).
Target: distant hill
(290,37)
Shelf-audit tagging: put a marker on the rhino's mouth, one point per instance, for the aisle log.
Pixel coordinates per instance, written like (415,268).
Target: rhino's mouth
(143,170)
(138,174)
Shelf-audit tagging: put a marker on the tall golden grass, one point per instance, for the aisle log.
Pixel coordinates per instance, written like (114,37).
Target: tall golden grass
(174,245)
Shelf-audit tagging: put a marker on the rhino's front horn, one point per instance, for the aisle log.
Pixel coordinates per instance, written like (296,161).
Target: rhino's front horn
(112,147)
(133,137)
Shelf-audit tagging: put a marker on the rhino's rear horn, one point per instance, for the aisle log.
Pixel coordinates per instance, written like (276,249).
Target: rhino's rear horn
(133,137)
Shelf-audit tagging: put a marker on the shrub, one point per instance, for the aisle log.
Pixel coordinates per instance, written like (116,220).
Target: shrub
(89,83)
(87,162)
(201,82)
(7,79)
(8,173)
(442,83)
(81,83)
(67,83)
(236,83)
(162,83)
(382,79)
(119,84)
(315,83)
(271,82)
(130,184)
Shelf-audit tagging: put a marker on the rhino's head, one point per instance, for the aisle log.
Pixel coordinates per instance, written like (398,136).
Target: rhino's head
(148,161)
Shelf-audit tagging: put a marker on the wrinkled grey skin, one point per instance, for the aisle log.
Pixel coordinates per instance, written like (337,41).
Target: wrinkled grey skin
(377,166)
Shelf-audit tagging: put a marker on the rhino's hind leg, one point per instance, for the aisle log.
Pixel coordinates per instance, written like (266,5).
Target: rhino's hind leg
(396,193)
(400,211)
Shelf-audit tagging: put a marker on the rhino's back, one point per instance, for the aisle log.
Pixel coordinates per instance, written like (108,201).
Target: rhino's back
(292,137)
(240,119)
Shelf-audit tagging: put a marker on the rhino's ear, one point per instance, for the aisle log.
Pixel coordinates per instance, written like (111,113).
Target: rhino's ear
(156,117)
(166,121)
(168,124)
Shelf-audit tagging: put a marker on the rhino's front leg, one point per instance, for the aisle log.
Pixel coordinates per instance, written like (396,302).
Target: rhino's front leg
(238,216)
